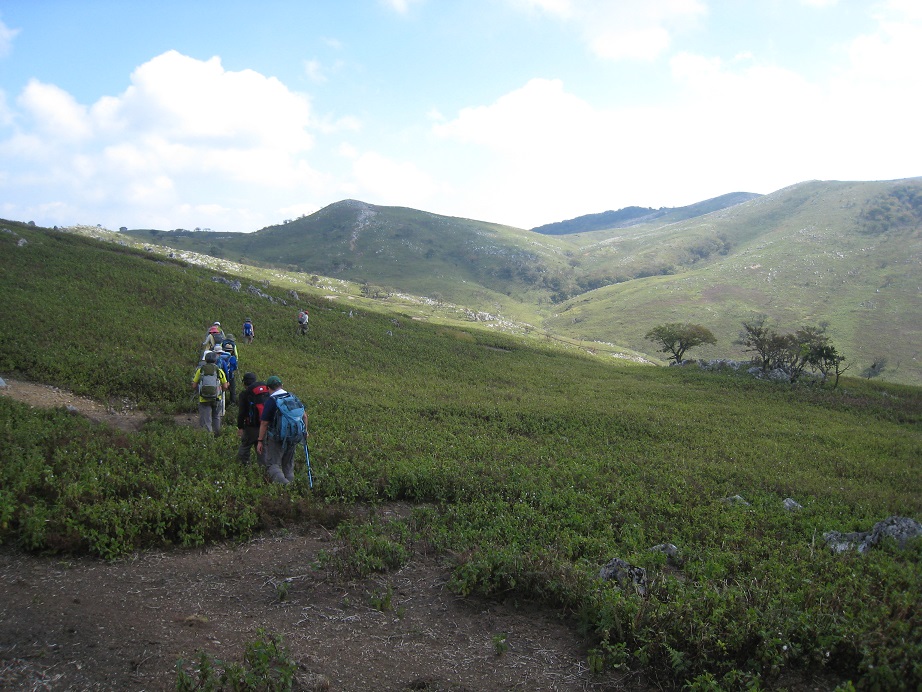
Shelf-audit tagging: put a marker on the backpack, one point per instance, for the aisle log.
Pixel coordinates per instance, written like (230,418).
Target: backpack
(209,383)
(287,425)
(228,364)
(259,393)
(229,346)
(247,329)
(302,318)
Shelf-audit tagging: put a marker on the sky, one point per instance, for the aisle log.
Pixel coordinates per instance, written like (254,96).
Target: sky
(234,115)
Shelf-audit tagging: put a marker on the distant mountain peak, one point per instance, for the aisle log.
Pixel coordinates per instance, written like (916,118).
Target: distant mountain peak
(634,216)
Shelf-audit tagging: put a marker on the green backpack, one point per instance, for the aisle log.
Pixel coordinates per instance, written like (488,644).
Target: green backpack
(209,384)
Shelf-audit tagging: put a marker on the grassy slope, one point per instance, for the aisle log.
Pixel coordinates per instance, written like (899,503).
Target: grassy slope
(799,257)
(468,262)
(532,467)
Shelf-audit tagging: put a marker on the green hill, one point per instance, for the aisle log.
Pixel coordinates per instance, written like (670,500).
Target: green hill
(493,267)
(843,253)
(849,254)
(524,467)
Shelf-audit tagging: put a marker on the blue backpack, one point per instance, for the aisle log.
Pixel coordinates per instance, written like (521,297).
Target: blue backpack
(228,364)
(287,425)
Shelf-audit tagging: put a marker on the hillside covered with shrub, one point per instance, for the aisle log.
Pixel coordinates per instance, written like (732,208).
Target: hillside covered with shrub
(848,254)
(527,467)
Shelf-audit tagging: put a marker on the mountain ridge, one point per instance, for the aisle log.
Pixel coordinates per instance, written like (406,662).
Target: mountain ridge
(633,216)
(846,253)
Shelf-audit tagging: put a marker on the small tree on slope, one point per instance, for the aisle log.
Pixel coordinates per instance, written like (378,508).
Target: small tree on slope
(676,338)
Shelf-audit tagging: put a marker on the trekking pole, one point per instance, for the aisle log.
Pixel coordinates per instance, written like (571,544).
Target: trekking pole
(307,462)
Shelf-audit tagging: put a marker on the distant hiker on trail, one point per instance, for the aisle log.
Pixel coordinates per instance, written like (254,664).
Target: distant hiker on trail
(228,365)
(302,322)
(210,382)
(252,402)
(282,428)
(248,332)
(214,336)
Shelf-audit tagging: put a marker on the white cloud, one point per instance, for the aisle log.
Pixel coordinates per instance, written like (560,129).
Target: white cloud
(56,113)
(891,54)
(539,115)
(560,8)
(627,29)
(184,129)
(386,181)
(908,10)
(400,6)
(6,115)
(6,39)
(189,99)
(314,71)
(737,125)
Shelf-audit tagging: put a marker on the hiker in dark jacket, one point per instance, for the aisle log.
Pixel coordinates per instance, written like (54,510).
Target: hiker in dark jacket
(250,408)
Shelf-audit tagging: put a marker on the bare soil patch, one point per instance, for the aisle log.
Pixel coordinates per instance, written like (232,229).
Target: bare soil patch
(84,624)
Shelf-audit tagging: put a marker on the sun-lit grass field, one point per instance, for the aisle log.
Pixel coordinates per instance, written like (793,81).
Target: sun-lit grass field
(528,467)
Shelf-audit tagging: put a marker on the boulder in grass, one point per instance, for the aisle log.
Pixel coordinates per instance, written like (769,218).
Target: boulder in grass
(900,529)
(625,574)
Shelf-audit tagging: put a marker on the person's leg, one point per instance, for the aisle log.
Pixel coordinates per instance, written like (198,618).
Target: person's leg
(204,416)
(247,442)
(288,462)
(217,410)
(273,461)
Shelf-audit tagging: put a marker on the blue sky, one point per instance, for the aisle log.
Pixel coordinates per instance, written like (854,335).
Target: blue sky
(238,114)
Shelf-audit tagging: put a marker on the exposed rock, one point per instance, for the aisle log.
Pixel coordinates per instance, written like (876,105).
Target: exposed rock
(720,364)
(625,574)
(257,292)
(790,505)
(735,500)
(667,548)
(901,529)
(235,284)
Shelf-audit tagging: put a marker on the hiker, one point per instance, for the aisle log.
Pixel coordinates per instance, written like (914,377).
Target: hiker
(252,402)
(282,428)
(214,336)
(248,332)
(302,322)
(230,348)
(228,364)
(210,382)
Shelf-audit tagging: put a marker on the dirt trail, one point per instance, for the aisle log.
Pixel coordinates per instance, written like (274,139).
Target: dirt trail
(120,415)
(84,624)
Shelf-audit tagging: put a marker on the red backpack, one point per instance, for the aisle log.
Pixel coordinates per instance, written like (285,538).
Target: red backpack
(259,393)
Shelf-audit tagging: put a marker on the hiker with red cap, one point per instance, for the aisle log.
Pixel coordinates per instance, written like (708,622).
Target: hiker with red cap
(214,336)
